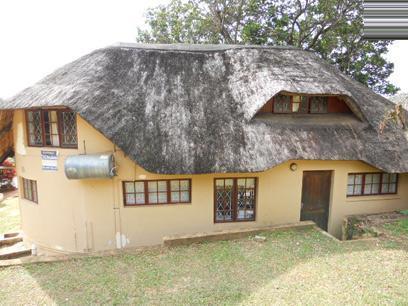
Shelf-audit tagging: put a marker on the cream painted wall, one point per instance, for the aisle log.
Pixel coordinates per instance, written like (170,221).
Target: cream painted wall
(58,220)
(88,215)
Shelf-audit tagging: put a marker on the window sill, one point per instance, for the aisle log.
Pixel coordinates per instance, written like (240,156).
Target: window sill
(309,120)
(52,147)
(382,197)
(156,205)
(233,221)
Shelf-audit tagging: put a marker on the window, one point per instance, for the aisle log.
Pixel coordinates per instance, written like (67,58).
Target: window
(68,129)
(299,104)
(284,104)
(35,136)
(318,105)
(234,199)
(30,190)
(51,128)
(371,184)
(157,192)
(389,183)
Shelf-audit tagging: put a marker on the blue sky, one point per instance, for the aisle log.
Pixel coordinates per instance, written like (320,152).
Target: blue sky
(37,37)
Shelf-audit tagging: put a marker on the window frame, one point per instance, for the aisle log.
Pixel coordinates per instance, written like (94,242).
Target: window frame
(33,183)
(319,105)
(60,129)
(290,103)
(27,123)
(58,111)
(50,122)
(308,101)
(234,199)
(380,193)
(146,192)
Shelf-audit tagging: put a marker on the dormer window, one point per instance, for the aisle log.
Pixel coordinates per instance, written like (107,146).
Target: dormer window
(304,104)
(318,105)
(282,104)
(299,104)
(290,104)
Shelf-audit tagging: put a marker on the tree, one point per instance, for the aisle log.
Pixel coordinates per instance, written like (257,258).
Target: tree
(331,28)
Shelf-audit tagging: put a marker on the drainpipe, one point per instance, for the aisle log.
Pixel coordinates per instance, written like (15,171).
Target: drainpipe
(116,214)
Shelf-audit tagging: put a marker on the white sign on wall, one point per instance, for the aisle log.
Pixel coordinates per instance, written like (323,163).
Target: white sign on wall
(49,160)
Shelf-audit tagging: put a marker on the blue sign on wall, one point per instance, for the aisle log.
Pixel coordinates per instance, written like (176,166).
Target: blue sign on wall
(49,160)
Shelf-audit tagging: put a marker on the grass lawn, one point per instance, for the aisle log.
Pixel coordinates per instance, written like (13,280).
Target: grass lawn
(9,216)
(399,228)
(292,267)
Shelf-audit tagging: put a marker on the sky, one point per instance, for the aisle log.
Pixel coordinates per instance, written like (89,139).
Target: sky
(39,36)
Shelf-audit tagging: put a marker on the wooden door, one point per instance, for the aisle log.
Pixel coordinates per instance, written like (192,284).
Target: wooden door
(316,197)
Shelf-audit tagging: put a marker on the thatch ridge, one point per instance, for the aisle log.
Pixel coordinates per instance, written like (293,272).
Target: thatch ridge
(175,111)
(200,48)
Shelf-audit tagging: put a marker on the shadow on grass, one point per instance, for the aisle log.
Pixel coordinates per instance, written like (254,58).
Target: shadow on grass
(225,272)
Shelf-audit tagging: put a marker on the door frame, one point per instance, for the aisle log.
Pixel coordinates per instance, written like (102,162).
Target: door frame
(329,207)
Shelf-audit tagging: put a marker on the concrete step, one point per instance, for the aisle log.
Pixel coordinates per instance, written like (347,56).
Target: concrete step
(14,251)
(10,238)
(231,233)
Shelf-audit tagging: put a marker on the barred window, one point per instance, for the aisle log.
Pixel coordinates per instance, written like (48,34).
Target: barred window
(68,129)
(371,184)
(157,192)
(234,199)
(30,190)
(51,128)
(35,136)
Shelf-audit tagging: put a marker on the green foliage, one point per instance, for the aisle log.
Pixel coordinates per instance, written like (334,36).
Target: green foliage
(399,228)
(331,28)
(404,212)
(352,228)
(357,229)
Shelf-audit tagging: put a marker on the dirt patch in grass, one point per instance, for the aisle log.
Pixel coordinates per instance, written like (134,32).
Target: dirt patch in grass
(289,267)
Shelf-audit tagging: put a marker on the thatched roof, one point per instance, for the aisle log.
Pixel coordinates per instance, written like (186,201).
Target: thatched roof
(191,109)
(402,99)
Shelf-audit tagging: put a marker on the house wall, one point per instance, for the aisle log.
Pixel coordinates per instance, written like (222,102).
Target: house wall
(89,215)
(337,105)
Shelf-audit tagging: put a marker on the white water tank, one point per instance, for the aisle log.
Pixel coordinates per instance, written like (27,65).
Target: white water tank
(90,166)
